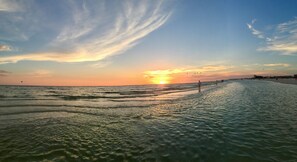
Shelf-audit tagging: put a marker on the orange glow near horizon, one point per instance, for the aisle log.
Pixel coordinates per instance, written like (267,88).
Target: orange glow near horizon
(185,75)
(193,74)
(161,80)
(126,77)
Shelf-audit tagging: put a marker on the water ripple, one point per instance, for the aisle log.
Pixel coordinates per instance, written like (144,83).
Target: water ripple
(236,121)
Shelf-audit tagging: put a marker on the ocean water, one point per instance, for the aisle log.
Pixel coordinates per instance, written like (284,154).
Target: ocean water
(233,121)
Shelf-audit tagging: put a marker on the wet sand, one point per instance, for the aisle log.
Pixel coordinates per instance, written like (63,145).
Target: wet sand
(285,81)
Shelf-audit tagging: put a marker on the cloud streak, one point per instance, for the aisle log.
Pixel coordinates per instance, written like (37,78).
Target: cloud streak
(4,73)
(255,31)
(96,30)
(4,47)
(282,39)
(9,6)
(203,69)
(41,73)
(277,65)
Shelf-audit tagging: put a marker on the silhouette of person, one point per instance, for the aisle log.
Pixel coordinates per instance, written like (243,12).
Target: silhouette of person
(199,86)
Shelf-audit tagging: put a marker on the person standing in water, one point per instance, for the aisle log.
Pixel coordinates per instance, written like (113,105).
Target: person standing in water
(199,86)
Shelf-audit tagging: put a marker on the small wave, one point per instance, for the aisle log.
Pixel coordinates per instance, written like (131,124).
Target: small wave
(133,92)
(71,97)
(80,106)
(80,97)
(48,111)
(136,92)
(110,92)
(52,91)
(27,99)
(154,91)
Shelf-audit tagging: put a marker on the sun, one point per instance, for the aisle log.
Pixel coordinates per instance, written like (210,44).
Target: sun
(163,82)
(160,79)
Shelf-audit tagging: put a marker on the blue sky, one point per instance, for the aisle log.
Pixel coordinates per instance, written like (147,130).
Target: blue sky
(137,42)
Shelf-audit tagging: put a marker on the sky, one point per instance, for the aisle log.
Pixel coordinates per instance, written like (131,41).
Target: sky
(129,42)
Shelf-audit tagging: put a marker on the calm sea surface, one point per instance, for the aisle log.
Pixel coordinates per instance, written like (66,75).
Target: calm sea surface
(233,121)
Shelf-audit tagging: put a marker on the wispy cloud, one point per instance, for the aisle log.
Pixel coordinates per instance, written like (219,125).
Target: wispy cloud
(202,69)
(9,6)
(255,31)
(4,47)
(277,65)
(282,39)
(80,24)
(101,64)
(17,20)
(93,30)
(4,73)
(41,73)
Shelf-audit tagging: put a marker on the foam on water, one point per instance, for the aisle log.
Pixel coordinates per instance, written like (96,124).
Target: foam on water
(236,121)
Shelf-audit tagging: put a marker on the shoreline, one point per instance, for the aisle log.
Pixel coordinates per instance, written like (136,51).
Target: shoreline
(284,81)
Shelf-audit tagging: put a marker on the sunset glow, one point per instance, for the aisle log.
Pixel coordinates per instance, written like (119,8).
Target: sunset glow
(91,43)
(161,80)
(148,80)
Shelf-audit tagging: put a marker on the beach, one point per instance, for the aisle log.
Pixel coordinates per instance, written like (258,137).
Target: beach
(248,120)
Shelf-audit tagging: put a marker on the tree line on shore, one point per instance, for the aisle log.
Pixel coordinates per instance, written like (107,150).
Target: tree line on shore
(275,77)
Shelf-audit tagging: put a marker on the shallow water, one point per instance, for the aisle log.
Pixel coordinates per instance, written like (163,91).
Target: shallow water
(234,121)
